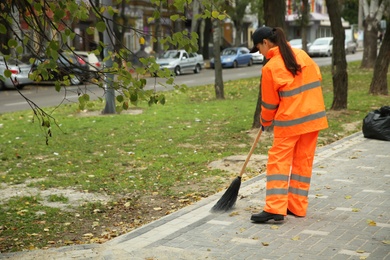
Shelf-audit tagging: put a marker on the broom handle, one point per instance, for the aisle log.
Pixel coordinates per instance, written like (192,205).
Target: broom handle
(250,152)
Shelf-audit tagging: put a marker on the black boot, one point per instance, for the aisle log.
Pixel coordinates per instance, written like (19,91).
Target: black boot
(265,216)
(292,214)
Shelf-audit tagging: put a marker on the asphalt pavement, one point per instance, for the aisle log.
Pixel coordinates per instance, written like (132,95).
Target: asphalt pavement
(348,218)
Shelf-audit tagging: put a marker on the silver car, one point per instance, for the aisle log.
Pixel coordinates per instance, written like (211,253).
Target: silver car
(19,73)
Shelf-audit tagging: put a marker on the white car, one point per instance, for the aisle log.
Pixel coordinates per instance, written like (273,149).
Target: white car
(19,73)
(257,57)
(94,63)
(321,47)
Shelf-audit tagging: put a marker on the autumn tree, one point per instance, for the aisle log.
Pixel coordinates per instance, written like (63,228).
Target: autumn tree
(373,13)
(378,84)
(237,13)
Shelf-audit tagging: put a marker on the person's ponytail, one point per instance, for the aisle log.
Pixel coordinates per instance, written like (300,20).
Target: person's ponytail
(278,37)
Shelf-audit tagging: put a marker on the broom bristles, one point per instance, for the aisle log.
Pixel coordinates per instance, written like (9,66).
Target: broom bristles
(229,198)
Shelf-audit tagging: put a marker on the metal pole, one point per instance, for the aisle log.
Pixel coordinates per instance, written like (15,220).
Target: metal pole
(109,48)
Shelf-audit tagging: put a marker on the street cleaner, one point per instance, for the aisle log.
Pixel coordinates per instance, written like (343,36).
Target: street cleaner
(292,101)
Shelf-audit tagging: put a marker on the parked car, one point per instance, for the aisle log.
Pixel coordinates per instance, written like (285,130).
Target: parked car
(179,61)
(93,61)
(234,57)
(321,47)
(350,46)
(19,73)
(67,64)
(257,57)
(297,43)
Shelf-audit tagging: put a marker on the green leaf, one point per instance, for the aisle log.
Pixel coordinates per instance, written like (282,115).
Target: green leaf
(59,14)
(101,26)
(170,81)
(12,43)
(3,29)
(119,98)
(221,17)
(215,14)
(7,73)
(150,19)
(175,17)
(19,49)
(90,31)
(133,97)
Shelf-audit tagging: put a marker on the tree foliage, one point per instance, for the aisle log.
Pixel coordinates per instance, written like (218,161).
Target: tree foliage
(44,30)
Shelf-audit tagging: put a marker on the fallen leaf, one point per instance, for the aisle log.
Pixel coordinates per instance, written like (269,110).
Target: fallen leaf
(296,238)
(371,222)
(265,243)
(274,227)
(360,251)
(157,209)
(355,210)
(234,213)
(348,197)
(386,242)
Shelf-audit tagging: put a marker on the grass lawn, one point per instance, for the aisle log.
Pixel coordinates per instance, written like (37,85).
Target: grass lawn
(104,175)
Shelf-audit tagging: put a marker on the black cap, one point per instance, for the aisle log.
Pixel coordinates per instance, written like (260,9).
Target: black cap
(259,35)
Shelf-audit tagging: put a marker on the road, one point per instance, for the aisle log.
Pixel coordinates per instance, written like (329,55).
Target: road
(44,96)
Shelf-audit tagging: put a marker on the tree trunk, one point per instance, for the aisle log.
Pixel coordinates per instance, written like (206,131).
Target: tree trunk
(305,22)
(379,80)
(218,86)
(274,16)
(339,62)
(206,38)
(237,40)
(274,13)
(370,43)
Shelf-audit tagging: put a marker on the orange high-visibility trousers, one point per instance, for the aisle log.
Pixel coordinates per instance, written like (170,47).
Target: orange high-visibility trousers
(289,169)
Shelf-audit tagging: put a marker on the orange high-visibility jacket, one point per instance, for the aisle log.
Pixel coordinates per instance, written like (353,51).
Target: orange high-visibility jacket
(295,105)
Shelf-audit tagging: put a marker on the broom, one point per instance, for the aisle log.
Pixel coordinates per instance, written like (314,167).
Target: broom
(228,199)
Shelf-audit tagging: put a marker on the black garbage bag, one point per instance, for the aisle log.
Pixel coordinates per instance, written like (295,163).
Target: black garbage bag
(376,124)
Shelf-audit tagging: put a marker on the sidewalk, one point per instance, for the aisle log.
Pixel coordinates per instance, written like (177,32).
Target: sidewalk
(348,218)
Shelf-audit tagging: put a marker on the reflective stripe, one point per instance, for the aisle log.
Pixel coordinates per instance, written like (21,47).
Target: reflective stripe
(277,177)
(300,178)
(269,106)
(276,192)
(298,191)
(265,121)
(300,120)
(289,93)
